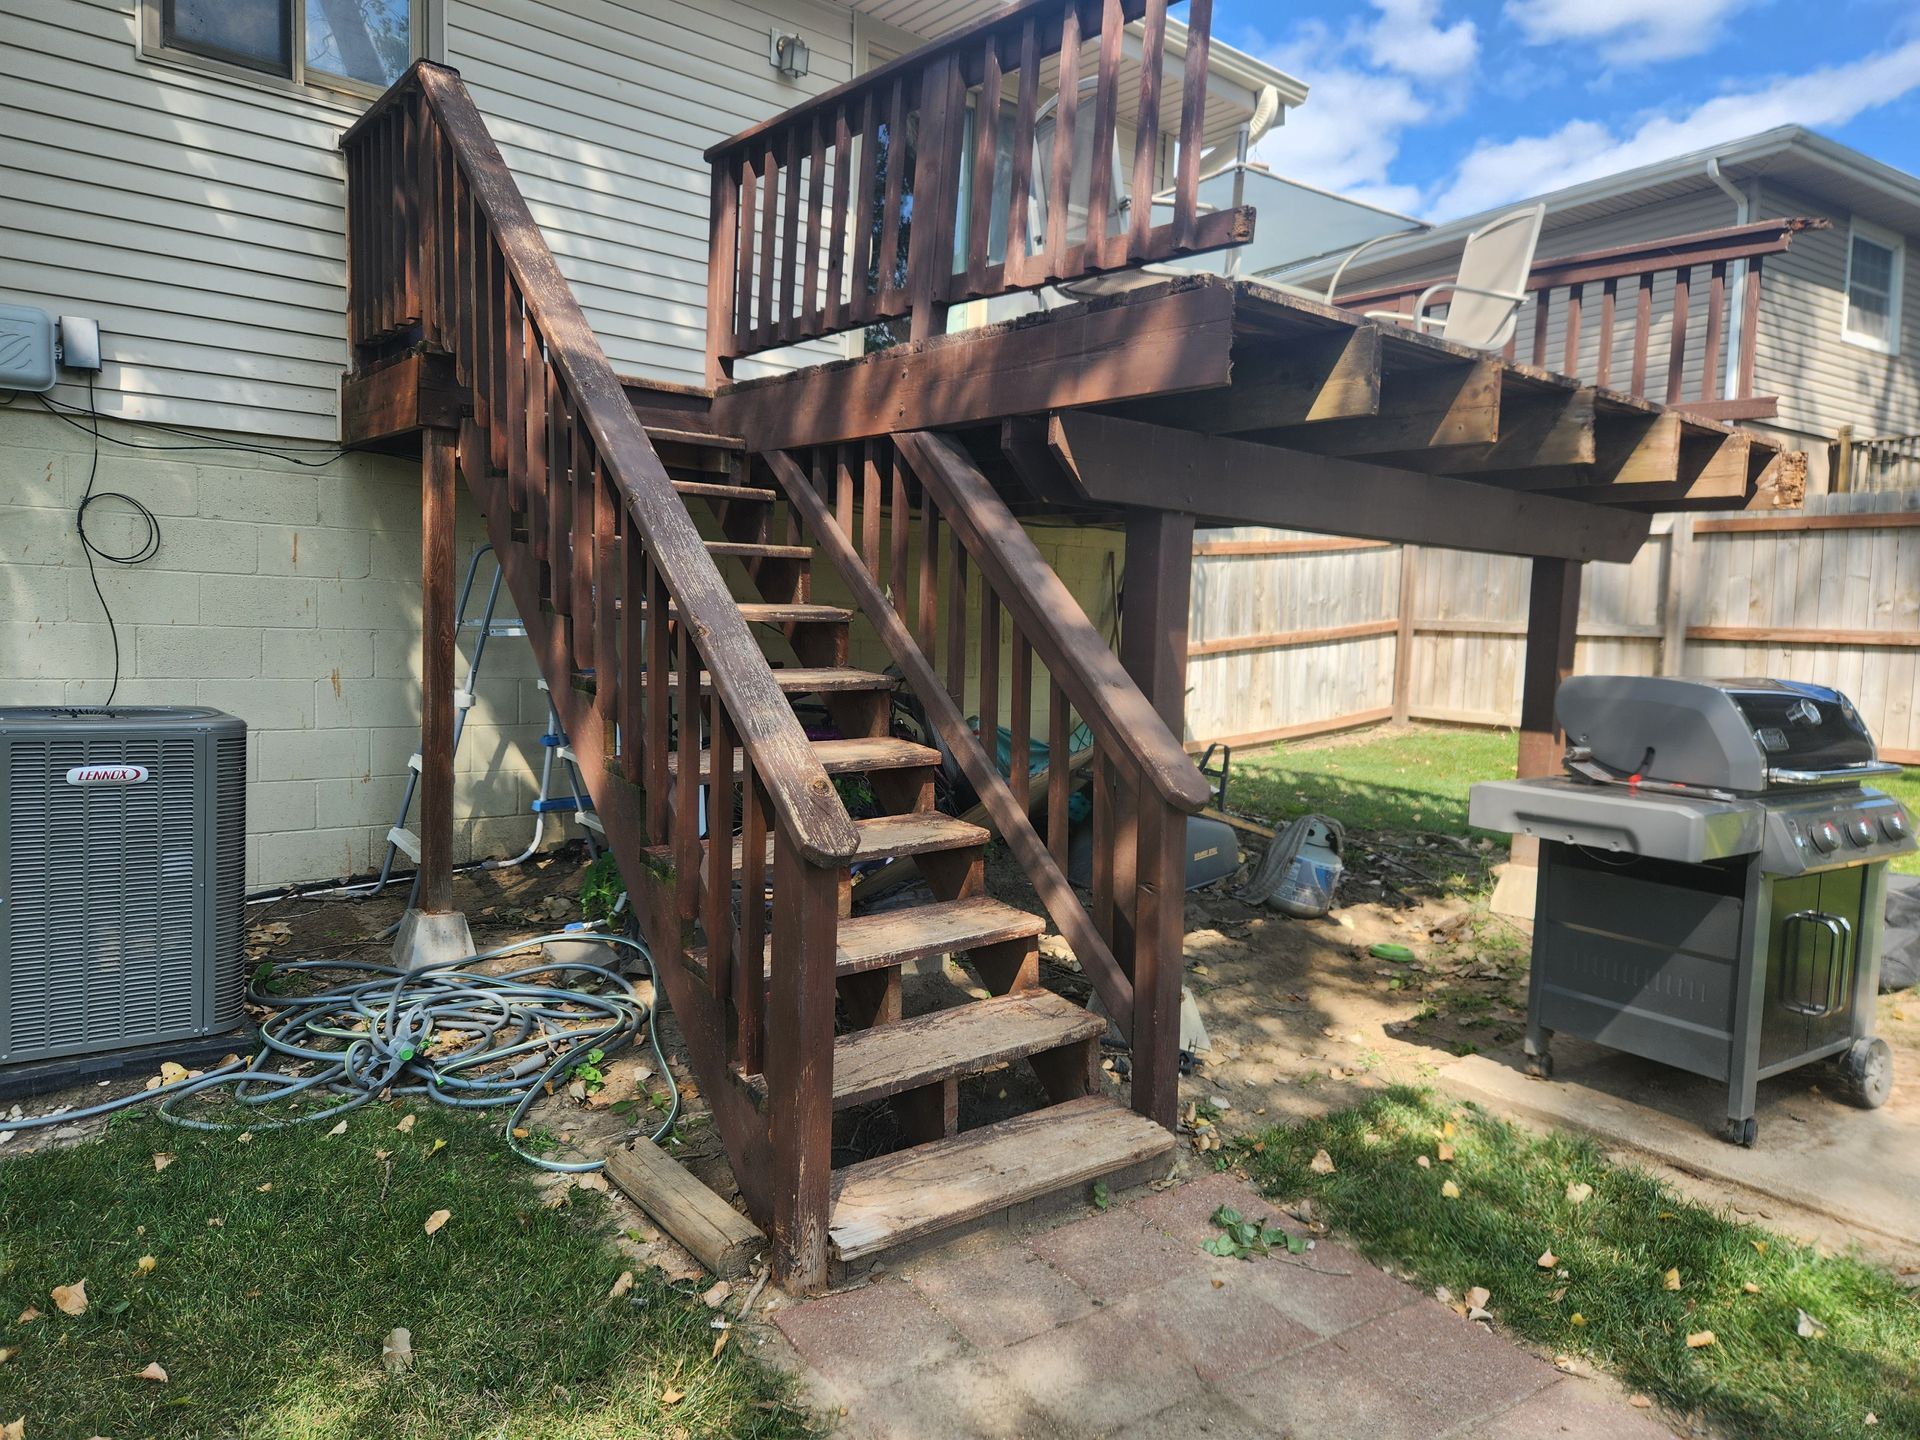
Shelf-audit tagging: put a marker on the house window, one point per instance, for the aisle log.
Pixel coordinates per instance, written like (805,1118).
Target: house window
(357,46)
(1875,258)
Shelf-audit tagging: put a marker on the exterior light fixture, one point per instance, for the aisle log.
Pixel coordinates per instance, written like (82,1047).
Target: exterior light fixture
(788,54)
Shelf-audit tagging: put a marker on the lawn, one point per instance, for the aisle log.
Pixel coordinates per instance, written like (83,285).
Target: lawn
(1588,1258)
(1400,780)
(280,1262)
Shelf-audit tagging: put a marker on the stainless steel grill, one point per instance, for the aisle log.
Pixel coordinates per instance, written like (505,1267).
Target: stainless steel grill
(1712,880)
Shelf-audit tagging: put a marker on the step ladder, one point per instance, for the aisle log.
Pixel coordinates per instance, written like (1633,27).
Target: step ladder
(553,741)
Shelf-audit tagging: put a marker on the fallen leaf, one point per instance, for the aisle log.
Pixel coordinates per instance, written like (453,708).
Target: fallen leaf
(7,1352)
(1321,1164)
(154,1373)
(172,1073)
(437,1146)
(339,1129)
(406,1124)
(1640,1402)
(245,1137)
(214,1222)
(1806,1327)
(14,1429)
(1450,1191)
(1578,1192)
(162,1159)
(263,1189)
(1759,1246)
(1870,1419)
(719,1344)
(1576,1318)
(437,1219)
(1672,1278)
(717,1296)
(592,1180)
(1478,1297)
(1423,1162)
(27,1316)
(1446,1131)
(1370,1139)
(1444,1151)
(670,1397)
(621,1287)
(1547,1260)
(396,1351)
(145,1265)
(1751,1288)
(1700,1340)
(71,1299)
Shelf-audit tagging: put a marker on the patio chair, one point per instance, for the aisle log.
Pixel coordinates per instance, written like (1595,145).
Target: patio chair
(1486,293)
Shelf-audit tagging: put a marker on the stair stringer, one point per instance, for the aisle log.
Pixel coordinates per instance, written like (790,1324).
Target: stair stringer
(621,806)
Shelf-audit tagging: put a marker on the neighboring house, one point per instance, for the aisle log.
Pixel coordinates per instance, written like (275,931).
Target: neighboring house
(1839,332)
(172,171)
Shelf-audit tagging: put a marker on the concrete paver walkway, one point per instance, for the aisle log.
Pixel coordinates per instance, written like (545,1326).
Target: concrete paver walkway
(1119,1325)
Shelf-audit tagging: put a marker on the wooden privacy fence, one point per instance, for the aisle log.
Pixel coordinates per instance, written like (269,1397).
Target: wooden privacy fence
(1297,634)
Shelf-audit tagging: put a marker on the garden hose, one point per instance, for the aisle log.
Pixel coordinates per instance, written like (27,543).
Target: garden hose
(507,1041)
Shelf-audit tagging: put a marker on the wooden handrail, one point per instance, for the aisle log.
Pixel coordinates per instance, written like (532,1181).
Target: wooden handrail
(396,241)
(792,260)
(1067,643)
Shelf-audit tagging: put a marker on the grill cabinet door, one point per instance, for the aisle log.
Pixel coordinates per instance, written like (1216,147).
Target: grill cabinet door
(1789,956)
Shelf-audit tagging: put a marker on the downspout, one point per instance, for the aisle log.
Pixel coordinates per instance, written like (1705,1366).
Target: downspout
(1736,291)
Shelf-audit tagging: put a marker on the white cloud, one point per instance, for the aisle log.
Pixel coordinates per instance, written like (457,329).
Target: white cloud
(1494,173)
(1407,39)
(1629,31)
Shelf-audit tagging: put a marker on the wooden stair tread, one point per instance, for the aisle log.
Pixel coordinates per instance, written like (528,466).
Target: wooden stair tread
(963,1040)
(842,757)
(756,612)
(663,435)
(713,490)
(792,680)
(884,837)
(912,1193)
(752,550)
(894,937)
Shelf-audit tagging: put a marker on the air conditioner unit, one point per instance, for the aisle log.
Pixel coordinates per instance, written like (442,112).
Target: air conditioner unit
(122,878)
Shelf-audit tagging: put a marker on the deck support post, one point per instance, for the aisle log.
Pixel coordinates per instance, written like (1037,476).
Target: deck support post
(1153,647)
(1553,616)
(433,931)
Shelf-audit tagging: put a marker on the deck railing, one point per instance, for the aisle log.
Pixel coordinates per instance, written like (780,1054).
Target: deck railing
(444,253)
(882,199)
(1659,281)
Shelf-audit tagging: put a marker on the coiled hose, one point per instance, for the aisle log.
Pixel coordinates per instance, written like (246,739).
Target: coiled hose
(383,1035)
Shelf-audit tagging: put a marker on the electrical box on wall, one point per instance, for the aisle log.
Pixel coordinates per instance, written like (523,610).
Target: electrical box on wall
(26,349)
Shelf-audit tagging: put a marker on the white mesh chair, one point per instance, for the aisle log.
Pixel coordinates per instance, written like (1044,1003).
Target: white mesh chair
(1487,292)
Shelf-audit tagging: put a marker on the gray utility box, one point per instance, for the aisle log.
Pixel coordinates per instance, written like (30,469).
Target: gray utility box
(122,878)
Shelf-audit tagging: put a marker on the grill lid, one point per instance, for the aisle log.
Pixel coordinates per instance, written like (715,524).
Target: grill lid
(1745,735)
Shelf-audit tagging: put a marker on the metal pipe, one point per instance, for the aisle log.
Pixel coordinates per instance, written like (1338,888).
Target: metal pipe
(1737,277)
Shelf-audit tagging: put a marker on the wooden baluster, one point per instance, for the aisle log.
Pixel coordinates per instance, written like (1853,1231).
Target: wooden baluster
(1542,317)
(842,462)
(1025,109)
(358,269)
(463,307)
(658,677)
(410,196)
(592,553)
(1059,739)
(1106,112)
(986,142)
(513,357)
(1103,845)
(888,260)
(745,260)
(811,305)
(503,326)
(859,297)
(1642,334)
(1159,925)
(750,984)
(956,619)
(533,438)
(1572,349)
(620,604)
(1749,329)
(427,227)
(1710,356)
(1146,138)
(929,577)
(870,506)
(769,242)
(900,522)
(790,241)
(1124,878)
(1193,123)
(989,729)
(1677,345)
(379,196)
(936,194)
(723,258)
(799,1065)
(1020,713)
(717,915)
(1603,368)
(686,780)
(838,220)
(1060,171)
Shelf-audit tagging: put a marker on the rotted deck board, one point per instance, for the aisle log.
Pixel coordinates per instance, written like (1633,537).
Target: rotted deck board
(961,1040)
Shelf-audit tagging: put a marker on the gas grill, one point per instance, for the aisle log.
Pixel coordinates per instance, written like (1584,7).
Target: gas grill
(1712,880)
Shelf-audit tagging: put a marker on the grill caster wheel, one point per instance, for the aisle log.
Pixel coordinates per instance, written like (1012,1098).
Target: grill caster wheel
(1743,1133)
(1867,1072)
(1538,1065)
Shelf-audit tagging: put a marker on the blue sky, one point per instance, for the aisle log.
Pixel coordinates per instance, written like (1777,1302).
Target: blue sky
(1444,107)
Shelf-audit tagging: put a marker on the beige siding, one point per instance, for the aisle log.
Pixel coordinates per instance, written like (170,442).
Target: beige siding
(199,218)
(1824,381)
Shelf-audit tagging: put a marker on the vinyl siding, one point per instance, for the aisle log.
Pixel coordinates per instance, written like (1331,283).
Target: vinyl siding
(199,218)
(1823,380)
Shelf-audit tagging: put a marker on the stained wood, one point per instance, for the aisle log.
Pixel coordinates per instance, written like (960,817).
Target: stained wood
(885,837)
(845,757)
(896,937)
(1303,381)
(402,396)
(437,634)
(1429,408)
(712,1231)
(961,1040)
(911,1193)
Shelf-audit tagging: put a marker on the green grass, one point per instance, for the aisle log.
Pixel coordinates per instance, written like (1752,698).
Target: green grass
(270,1323)
(1397,781)
(1759,1379)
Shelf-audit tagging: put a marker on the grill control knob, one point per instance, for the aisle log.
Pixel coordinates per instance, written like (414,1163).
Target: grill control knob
(1893,825)
(1860,830)
(1824,835)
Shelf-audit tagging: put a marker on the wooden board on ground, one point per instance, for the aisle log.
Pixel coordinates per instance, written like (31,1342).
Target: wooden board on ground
(717,1235)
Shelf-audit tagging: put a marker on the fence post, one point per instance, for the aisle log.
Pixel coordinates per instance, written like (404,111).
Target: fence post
(1403,642)
(1840,475)
(1673,600)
